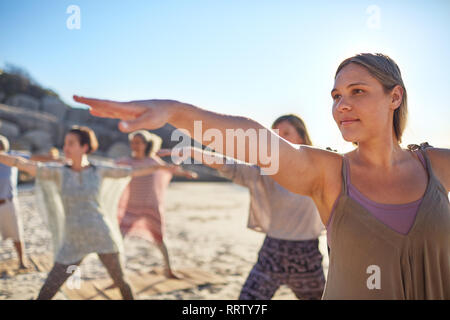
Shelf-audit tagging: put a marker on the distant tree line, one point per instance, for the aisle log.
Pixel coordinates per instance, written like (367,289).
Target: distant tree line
(15,80)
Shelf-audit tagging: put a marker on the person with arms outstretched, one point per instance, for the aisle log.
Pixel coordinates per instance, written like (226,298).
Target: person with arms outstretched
(386,208)
(141,206)
(79,202)
(10,219)
(290,253)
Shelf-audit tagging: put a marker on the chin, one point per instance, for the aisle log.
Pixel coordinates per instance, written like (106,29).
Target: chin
(350,137)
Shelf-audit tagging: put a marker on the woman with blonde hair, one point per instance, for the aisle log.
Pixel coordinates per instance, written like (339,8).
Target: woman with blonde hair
(386,208)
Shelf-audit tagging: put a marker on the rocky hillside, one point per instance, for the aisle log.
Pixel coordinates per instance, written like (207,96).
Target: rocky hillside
(35,119)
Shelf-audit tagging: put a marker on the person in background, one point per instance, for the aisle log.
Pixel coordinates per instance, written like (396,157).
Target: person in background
(141,207)
(10,218)
(290,253)
(386,207)
(79,203)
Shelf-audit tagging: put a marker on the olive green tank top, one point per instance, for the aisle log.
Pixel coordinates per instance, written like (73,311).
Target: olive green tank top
(369,260)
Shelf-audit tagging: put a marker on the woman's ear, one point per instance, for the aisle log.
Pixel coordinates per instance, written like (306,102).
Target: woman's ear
(396,97)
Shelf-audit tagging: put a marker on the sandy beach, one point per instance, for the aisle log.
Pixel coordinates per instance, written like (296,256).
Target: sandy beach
(205,228)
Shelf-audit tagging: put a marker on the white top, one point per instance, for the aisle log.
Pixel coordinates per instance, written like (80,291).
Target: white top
(80,208)
(274,210)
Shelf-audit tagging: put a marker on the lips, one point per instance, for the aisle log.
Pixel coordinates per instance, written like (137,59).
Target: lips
(346,122)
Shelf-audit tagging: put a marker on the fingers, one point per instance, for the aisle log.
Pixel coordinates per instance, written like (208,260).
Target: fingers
(111,109)
(134,115)
(178,155)
(81,99)
(178,158)
(164,152)
(97,103)
(190,174)
(102,114)
(144,121)
(194,175)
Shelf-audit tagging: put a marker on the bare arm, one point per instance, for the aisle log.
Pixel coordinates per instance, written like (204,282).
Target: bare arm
(241,173)
(179,155)
(21,163)
(308,163)
(144,171)
(45,158)
(440,161)
(174,169)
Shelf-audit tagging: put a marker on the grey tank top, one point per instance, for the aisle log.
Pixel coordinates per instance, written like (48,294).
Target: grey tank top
(369,260)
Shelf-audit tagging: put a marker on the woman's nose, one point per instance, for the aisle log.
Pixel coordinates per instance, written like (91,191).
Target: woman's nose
(343,104)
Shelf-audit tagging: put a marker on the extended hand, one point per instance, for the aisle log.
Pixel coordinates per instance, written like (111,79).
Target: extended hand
(164,153)
(191,174)
(178,155)
(148,114)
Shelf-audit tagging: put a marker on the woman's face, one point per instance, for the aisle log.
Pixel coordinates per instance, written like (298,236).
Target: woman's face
(72,148)
(288,132)
(138,146)
(361,108)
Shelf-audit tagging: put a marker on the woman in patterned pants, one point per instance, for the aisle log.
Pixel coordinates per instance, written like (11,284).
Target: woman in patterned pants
(290,253)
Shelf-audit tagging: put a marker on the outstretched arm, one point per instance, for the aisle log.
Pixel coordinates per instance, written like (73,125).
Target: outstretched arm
(241,173)
(46,158)
(144,171)
(179,155)
(174,169)
(306,170)
(308,163)
(21,163)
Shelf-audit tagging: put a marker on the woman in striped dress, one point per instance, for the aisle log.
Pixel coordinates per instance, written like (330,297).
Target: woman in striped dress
(141,207)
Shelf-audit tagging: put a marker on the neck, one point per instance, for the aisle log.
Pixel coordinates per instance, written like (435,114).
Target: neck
(80,163)
(379,151)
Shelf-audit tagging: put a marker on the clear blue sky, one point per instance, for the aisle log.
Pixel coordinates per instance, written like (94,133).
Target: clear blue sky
(259,58)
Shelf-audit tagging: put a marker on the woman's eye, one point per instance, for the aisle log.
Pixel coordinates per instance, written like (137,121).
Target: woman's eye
(357,91)
(336,96)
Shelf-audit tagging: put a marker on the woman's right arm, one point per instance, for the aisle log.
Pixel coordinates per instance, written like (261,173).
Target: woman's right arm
(179,155)
(240,173)
(306,170)
(21,163)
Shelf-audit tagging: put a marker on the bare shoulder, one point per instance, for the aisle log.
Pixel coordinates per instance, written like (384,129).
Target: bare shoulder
(440,161)
(332,174)
(305,169)
(330,177)
(319,162)
(330,181)
(328,161)
(330,157)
